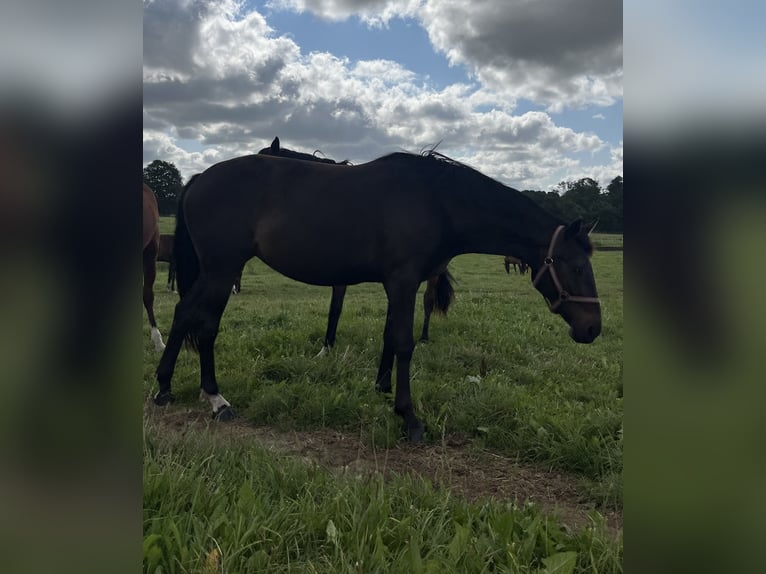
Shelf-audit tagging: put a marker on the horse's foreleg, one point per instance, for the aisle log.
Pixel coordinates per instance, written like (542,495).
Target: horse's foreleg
(402,307)
(150,273)
(336,306)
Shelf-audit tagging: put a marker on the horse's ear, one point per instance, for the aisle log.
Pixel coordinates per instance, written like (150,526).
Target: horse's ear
(275,146)
(574,229)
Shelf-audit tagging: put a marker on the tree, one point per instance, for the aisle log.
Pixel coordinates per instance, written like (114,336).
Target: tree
(612,219)
(165,180)
(584,199)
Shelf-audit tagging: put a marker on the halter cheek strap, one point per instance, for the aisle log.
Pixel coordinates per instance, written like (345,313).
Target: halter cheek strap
(548,266)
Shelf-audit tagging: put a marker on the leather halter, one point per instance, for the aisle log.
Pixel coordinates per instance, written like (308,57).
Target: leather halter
(548,266)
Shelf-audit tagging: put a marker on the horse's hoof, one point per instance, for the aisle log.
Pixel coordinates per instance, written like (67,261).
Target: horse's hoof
(162,399)
(415,434)
(383,388)
(224,414)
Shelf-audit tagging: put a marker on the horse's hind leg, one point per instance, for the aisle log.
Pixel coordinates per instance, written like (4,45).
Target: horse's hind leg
(237,287)
(185,321)
(150,273)
(197,315)
(383,379)
(171,275)
(429,301)
(211,306)
(336,306)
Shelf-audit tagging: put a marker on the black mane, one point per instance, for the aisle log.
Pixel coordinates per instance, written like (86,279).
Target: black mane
(279,151)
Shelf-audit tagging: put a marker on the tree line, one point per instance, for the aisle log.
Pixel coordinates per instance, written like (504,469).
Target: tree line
(580,199)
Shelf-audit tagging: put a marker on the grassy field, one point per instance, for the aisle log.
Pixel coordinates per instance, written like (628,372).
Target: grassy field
(500,376)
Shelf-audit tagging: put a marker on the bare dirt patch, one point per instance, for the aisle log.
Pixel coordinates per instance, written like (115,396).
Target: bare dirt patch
(454,464)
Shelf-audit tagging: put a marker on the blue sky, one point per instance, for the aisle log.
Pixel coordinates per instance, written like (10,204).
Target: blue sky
(402,40)
(530,93)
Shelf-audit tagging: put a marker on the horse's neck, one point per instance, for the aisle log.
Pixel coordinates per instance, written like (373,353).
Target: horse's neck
(499,221)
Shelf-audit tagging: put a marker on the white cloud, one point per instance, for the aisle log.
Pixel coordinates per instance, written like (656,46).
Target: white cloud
(240,85)
(373,12)
(564,53)
(561,54)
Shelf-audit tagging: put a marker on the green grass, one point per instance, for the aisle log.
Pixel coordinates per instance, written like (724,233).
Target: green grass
(500,369)
(233,507)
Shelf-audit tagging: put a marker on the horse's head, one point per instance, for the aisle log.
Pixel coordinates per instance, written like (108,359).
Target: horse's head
(564,276)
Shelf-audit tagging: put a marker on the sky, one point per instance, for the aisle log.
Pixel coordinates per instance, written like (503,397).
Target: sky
(528,92)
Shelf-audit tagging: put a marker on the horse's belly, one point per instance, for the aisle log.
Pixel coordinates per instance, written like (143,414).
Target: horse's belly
(316,272)
(318,253)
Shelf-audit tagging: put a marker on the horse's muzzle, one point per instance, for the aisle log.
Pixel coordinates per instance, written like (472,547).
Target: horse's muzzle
(586,333)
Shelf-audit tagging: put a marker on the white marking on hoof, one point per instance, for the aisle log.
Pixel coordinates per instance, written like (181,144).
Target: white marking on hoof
(323,352)
(216,401)
(159,346)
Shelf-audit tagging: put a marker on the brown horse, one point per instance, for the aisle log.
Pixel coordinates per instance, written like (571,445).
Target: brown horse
(151,241)
(439,292)
(396,220)
(510,260)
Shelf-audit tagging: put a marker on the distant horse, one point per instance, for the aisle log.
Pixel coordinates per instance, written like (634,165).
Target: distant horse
(510,260)
(396,220)
(439,292)
(165,253)
(151,240)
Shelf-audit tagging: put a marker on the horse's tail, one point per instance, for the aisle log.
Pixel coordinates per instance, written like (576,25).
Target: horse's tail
(184,255)
(445,291)
(185,260)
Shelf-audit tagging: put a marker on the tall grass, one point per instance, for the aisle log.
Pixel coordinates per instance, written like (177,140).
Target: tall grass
(231,507)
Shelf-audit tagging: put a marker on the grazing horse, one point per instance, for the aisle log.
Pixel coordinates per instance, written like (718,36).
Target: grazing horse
(510,260)
(395,220)
(165,253)
(439,292)
(151,239)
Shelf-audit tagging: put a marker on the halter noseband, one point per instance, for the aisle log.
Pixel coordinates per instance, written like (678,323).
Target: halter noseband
(548,266)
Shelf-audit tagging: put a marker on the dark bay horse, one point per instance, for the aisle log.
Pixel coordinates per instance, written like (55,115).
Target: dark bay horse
(439,292)
(396,220)
(151,241)
(511,261)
